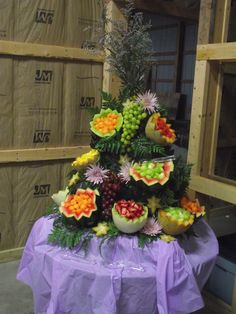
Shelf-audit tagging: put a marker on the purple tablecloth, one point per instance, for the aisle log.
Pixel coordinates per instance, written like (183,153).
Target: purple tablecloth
(164,278)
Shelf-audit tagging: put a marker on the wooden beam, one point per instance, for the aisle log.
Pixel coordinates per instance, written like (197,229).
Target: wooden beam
(198,116)
(221,51)
(111,83)
(205,22)
(38,154)
(13,48)
(220,35)
(11,255)
(213,188)
(221,24)
(164,8)
(201,77)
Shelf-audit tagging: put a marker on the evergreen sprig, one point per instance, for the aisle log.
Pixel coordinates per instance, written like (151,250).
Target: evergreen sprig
(144,148)
(112,103)
(128,44)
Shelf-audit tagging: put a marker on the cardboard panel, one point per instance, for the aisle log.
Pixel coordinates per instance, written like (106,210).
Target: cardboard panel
(82,23)
(82,88)
(65,170)
(6,102)
(39,21)
(6,18)
(33,186)
(37,103)
(6,213)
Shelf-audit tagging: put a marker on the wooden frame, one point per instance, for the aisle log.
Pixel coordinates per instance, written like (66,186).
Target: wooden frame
(217,52)
(207,99)
(51,153)
(13,48)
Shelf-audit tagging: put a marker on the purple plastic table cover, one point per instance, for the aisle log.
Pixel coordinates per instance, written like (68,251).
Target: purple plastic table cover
(121,278)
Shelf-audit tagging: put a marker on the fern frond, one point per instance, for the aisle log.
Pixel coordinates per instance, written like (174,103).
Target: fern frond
(109,145)
(144,148)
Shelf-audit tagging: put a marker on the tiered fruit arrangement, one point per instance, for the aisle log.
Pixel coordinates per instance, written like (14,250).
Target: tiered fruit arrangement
(129,216)
(130,177)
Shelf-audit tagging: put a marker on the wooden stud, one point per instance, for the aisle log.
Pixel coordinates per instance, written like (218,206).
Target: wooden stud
(13,48)
(111,82)
(199,91)
(55,153)
(213,188)
(198,116)
(11,255)
(215,89)
(221,23)
(221,51)
(205,21)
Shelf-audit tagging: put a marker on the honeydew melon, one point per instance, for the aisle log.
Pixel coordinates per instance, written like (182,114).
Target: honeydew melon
(106,123)
(127,225)
(175,220)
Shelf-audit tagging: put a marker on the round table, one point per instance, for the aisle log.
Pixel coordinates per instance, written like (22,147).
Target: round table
(121,278)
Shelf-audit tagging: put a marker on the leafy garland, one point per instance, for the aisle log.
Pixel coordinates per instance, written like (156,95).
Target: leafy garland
(144,239)
(69,236)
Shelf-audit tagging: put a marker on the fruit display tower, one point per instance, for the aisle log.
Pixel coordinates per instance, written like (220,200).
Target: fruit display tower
(130,181)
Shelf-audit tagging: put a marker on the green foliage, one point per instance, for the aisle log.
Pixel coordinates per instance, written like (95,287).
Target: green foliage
(168,198)
(129,45)
(69,236)
(109,145)
(179,179)
(52,209)
(109,102)
(144,239)
(113,230)
(142,147)
(92,110)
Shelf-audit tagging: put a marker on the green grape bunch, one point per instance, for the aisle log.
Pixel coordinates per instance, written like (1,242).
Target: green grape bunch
(133,115)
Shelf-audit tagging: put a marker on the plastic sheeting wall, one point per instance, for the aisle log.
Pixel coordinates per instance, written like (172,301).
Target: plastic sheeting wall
(42,104)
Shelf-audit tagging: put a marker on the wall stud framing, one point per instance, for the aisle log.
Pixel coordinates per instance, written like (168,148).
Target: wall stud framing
(208,86)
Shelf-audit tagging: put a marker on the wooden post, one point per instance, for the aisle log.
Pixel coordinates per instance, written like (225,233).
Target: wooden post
(111,82)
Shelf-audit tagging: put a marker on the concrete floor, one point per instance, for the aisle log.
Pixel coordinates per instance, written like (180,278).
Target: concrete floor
(15,297)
